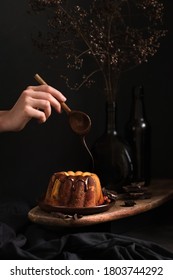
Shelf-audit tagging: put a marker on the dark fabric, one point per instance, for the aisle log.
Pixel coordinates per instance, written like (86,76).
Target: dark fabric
(31,241)
(38,243)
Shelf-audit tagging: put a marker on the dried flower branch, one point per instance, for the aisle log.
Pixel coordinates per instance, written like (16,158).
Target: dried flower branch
(117,34)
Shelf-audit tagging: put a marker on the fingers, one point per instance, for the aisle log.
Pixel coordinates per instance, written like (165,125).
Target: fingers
(41,105)
(41,116)
(39,99)
(49,93)
(43,97)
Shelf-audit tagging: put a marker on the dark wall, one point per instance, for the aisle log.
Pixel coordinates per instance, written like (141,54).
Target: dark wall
(28,158)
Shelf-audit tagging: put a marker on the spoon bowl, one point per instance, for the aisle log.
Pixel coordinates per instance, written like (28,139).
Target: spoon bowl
(79,122)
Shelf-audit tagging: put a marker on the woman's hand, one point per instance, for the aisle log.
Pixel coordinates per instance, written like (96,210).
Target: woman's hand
(34,102)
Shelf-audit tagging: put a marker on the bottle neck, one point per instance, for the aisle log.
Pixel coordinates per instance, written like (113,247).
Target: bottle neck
(138,113)
(111,118)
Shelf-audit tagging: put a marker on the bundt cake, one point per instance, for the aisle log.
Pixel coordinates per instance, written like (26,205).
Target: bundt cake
(74,189)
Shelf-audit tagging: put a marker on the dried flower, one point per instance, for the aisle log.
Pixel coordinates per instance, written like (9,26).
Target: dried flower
(117,34)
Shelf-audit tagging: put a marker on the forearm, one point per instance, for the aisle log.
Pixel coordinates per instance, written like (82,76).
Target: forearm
(3,121)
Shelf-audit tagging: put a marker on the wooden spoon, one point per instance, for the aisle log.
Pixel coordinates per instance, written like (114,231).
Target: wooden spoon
(79,121)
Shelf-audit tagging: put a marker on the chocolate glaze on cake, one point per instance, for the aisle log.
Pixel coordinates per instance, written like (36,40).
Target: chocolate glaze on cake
(74,189)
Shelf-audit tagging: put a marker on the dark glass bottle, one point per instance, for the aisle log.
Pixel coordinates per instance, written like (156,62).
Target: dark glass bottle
(138,133)
(112,162)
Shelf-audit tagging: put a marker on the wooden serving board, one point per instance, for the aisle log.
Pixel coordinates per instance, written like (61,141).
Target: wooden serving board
(161,192)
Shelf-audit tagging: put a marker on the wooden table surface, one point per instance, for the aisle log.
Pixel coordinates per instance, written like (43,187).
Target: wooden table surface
(161,192)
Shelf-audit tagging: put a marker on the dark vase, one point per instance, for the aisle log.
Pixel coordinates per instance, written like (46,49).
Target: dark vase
(112,162)
(138,136)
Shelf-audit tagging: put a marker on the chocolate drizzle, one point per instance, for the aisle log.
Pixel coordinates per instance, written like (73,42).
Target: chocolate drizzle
(84,180)
(75,180)
(88,151)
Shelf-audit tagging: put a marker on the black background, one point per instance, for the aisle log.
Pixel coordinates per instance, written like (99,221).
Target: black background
(29,157)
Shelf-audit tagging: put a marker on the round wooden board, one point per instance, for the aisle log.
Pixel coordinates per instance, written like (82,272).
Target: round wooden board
(161,192)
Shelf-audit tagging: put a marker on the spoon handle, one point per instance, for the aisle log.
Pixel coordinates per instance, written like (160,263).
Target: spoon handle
(42,82)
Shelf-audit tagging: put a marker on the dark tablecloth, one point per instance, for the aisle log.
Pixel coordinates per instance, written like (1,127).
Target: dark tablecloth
(22,239)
